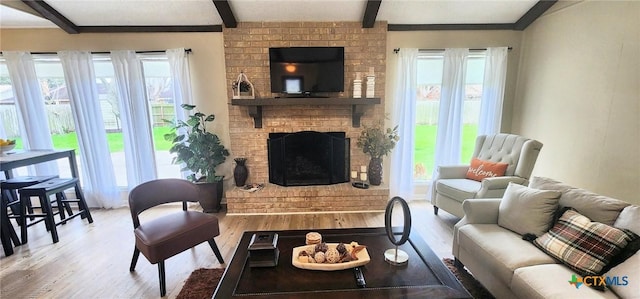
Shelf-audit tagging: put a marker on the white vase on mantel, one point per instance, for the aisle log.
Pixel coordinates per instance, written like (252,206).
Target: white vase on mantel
(357,86)
(371,84)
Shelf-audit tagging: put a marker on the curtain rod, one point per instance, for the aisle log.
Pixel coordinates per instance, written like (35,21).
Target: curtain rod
(188,51)
(396,50)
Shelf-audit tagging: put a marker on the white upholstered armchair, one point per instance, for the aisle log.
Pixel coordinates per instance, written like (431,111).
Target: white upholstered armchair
(451,186)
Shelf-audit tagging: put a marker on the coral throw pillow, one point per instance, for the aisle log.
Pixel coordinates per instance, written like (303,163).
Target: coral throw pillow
(480,169)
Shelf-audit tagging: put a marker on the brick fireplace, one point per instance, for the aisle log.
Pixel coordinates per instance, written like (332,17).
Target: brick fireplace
(246,49)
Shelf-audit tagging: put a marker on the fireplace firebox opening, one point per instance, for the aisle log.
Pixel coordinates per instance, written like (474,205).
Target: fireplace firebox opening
(308,158)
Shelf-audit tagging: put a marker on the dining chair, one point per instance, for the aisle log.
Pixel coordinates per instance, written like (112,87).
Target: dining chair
(165,236)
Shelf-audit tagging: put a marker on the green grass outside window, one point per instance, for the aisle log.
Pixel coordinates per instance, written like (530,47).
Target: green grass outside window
(116,144)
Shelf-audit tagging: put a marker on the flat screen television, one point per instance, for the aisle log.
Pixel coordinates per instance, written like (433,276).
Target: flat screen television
(306,70)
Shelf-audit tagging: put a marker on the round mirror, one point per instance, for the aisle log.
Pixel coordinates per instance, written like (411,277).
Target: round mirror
(397,222)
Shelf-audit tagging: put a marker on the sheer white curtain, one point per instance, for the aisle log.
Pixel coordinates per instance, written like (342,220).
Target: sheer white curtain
(99,182)
(449,134)
(495,75)
(404,115)
(181,83)
(3,133)
(34,127)
(180,80)
(134,113)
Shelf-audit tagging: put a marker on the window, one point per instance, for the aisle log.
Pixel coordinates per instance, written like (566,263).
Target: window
(110,107)
(8,114)
(429,85)
(57,107)
(159,88)
(60,118)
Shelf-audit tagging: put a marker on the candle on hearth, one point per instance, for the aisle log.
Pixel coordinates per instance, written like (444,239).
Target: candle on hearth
(363,168)
(363,176)
(354,174)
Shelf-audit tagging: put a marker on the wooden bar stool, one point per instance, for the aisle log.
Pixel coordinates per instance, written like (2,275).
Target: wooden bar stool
(7,232)
(12,185)
(43,191)
(9,199)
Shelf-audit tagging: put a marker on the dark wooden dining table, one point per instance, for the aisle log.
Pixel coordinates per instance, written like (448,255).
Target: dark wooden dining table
(12,160)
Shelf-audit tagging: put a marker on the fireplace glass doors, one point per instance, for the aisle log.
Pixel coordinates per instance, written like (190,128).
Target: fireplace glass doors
(308,158)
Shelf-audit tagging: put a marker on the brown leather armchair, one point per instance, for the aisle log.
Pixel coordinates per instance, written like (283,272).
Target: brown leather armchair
(163,237)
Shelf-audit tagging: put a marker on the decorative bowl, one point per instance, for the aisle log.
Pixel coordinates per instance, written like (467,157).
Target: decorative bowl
(363,259)
(6,148)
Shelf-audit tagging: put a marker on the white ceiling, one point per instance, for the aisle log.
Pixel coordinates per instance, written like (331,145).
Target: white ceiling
(298,10)
(203,12)
(453,12)
(13,18)
(142,13)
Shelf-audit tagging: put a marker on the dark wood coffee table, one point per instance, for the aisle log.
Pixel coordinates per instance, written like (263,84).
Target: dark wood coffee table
(425,276)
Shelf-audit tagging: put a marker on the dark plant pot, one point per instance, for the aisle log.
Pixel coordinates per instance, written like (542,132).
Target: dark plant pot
(240,173)
(210,196)
(375,171)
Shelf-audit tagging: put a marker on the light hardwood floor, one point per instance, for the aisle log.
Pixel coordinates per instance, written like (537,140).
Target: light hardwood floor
(92,260)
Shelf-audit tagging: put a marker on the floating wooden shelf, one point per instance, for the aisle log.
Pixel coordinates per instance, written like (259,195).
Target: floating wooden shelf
(254,106)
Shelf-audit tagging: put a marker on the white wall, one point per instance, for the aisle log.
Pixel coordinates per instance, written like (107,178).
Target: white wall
(578,93)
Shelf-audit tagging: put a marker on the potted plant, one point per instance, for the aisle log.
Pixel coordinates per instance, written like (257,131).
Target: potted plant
(377,142)
(200,151)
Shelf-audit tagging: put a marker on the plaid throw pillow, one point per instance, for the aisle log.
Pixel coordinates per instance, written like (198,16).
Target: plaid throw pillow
(582,245)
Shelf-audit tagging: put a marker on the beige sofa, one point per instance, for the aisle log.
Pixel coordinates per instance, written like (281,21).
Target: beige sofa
(510,267)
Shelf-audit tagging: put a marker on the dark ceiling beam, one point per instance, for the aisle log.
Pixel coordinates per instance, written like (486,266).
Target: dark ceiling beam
(226,14)
(418,27)
(143,29)
(52,15)
(370,13)
(534,13)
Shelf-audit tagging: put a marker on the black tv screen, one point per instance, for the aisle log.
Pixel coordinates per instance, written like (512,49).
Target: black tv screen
(306,70)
